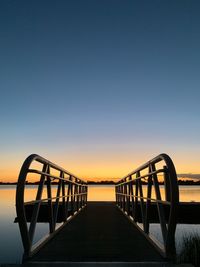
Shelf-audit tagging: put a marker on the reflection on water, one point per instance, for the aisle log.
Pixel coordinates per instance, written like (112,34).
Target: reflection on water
(10,242)
(101,193)
(189,193)
(95,193)
(107,193)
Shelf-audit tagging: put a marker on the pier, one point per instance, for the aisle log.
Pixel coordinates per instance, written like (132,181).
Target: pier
(98,232)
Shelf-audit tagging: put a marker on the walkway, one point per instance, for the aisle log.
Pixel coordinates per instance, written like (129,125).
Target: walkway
(100,233)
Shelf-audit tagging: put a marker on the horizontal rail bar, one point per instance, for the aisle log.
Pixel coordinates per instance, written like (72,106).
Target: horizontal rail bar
(46,199)
(53,176)
(147,198)
(140,177)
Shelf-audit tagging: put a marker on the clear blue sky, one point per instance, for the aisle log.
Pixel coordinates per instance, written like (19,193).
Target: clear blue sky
(99,86)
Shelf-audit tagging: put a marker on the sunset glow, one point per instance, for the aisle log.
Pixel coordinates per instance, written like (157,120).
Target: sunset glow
(99,89)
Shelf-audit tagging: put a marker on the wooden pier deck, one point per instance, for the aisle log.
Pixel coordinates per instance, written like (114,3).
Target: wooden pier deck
(100,233)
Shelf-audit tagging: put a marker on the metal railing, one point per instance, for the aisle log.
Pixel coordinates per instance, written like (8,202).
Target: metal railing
(70,198)
(140,190)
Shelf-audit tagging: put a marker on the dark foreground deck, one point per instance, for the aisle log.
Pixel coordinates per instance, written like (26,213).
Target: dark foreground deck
(100,233)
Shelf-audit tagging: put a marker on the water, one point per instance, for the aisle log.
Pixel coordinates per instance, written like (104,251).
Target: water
(10,241)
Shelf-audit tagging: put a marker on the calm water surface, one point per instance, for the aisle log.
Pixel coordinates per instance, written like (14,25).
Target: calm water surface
(10,241)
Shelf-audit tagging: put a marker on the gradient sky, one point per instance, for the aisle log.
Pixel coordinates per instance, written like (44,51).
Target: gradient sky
(99,87)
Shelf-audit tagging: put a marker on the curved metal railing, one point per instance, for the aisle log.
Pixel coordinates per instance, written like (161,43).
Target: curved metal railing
(139,193)
(71,197)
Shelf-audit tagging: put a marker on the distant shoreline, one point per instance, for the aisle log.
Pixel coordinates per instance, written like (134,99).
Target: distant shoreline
(180,182)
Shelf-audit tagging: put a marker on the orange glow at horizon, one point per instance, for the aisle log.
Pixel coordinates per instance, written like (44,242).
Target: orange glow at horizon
(98,167)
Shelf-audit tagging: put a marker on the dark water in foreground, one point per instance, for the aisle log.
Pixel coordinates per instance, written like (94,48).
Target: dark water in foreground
(10,241)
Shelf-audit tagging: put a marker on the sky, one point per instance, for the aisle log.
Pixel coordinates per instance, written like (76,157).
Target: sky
(99,86)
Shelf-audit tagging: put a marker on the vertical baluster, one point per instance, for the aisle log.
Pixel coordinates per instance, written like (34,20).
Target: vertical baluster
(79,195)
(118,196)
(125,197)
(136,202)
(86,193)
(141,199)
(72,197)
(159,205)
(83,196)
(50,205)
(64,210)
(75,195)
(37,205)
(68,196)
(132,197)
(122,196)
(129,196)
(166,184)
(148,202)
(81,192)
(56,207)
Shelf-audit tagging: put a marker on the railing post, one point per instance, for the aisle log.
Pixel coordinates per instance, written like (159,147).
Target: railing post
(76,195)
(20,208)
(120,196)
(161,213)
(72,196)
(129,196)
(148,202)
(81,191)
(50,205)
(123,197)
(132,197)
(37,205)
(64,210)
(116,194)
(68,196)
(56,207)
(135,210)
(166,184)
(142,207)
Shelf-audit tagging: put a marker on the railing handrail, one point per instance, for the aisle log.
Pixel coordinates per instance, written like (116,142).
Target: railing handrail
(36,157)
(76,195)
(128,199)
(155,160)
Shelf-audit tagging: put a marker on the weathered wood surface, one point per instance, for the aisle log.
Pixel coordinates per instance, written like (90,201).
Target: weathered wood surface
(187,213)
(100,233)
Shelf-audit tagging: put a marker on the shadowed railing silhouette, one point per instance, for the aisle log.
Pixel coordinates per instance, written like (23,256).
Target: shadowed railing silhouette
(139,192)
(60,196)
(70,198)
